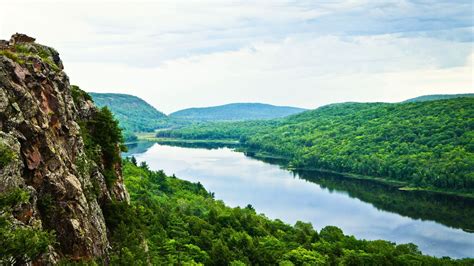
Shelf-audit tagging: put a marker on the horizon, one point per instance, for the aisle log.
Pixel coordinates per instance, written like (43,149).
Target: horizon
(180,54)
(305,109)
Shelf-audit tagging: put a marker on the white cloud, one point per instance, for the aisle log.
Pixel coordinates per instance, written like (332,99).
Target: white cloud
(178,53)
(298,71)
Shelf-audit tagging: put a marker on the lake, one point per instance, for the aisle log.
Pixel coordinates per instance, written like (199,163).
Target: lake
(440,225)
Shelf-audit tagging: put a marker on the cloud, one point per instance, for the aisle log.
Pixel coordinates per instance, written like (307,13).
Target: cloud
(302,71)
(178,53)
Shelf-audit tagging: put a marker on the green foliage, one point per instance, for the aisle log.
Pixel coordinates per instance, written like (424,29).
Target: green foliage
(13,56)
(21,53)
(133,113)
(175,222)
(6,155)
(19,245)
(439,97)
(423,144)
(236,112)
(219,130)
(103,142)
(79,95)
(13,198)
(129,137)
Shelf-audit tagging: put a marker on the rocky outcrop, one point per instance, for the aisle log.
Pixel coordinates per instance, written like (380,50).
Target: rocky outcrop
(18,38)
(39,127)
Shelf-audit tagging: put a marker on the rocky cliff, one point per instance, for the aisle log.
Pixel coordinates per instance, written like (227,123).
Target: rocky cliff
(44,152)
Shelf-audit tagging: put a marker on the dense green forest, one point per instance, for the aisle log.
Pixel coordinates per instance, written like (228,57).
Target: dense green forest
(175,222)
(435,97)
(219,130)
(134,114)
(236,112)
(426,144)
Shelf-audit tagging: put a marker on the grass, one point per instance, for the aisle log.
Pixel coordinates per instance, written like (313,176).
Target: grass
(6,155)
(13,56)
(22,52)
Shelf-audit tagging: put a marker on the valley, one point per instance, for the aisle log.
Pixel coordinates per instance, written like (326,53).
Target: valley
(73,192)
(361,208)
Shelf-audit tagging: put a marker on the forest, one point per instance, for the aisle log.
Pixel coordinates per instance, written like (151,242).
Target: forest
(235,112)
(426,145)
(171,221)
(134,114)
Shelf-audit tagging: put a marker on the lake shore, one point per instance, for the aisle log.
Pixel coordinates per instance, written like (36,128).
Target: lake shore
(285,162)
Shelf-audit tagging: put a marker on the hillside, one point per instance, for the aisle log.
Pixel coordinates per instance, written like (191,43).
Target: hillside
(435,97)
(133,113)
(427,144)
(236,112)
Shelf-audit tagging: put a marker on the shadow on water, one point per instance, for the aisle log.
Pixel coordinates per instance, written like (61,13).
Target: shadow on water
(449,210)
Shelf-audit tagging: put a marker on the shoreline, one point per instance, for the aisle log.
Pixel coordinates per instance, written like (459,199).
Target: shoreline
(262,155)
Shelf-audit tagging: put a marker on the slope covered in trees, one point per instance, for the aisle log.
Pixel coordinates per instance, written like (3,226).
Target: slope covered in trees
(427,144)
(435,97)
(175,222)
(236,112)
(133,113)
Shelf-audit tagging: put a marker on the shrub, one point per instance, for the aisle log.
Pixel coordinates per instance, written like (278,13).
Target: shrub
(103,142)
(6,155)
(19,245)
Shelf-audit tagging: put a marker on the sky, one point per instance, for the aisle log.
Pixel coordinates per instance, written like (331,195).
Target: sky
(177,54)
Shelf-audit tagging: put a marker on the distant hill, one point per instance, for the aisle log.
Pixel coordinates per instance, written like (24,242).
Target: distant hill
(428,144)
(236,112)
(435,97)
(133,113)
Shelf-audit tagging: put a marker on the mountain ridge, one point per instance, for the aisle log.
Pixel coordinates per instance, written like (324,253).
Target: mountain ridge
(435,97)
(236,112)
(134,113)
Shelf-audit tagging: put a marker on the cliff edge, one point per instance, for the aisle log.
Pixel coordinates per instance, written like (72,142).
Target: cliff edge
(50,148)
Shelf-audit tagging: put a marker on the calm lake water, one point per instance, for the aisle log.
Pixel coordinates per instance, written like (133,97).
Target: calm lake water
(439,225)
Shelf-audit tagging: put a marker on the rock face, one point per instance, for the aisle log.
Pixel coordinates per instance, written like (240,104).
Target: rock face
(18,38)
(39,125)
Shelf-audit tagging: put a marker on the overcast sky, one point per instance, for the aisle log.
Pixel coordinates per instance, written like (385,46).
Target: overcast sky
(178,54)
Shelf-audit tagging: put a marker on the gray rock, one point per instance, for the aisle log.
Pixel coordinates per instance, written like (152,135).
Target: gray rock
(38,122)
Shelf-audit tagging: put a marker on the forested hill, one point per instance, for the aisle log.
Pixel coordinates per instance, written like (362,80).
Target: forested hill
(236,112)
(422,144)
(434,97)
(133,113)
(174,222)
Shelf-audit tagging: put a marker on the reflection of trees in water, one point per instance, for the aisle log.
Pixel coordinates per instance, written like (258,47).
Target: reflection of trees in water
(198,145)
(143,146)
(137,147)
(453,211)
(450,210)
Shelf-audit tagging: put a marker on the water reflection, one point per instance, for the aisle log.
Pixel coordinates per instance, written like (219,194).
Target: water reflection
(454,211)
(137,148)
(364,209)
